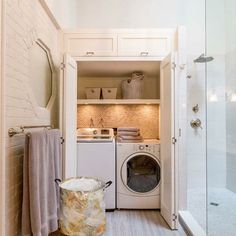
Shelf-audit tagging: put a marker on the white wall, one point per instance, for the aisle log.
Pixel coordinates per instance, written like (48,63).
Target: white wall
(192,15)
(65,12)
(115,13)
(25,21)
(2,156)
(216,119)
(126,13)
(230,21)
(201,83)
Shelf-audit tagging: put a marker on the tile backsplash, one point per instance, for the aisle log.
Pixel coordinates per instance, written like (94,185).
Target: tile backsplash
(145,117)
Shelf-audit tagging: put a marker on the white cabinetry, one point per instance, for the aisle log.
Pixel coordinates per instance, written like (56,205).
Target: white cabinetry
(90,44)
(144,44)
(119,43)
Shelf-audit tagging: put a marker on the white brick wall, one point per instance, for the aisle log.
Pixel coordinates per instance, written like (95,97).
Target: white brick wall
(2,157)
(25,21)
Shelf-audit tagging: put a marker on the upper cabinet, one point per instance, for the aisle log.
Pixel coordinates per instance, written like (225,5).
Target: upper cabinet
(119,43)
(90,44)
(144,44)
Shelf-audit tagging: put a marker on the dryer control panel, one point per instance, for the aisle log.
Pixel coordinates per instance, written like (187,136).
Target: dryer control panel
(150,148)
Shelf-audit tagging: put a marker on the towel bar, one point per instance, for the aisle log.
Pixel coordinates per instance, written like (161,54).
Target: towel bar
(12,131)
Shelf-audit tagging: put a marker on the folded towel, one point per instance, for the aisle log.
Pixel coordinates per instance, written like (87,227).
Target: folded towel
(130,137)
(128,133)
(128,129)
(42,165)
(120,140)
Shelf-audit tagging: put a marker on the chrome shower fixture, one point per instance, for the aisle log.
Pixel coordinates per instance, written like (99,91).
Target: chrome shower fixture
(203,59)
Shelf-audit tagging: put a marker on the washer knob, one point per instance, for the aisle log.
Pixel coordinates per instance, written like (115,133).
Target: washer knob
(95,132)
(141,147)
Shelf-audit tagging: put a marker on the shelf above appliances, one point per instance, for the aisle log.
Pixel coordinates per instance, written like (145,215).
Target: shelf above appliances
(117,101)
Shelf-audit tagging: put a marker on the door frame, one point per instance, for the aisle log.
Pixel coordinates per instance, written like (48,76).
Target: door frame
(2,113)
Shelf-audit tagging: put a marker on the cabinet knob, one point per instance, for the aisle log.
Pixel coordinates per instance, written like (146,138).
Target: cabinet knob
(144,54)
(89,53)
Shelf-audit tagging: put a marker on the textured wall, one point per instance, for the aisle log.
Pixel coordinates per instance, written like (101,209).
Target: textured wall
(146,117)
(2,157)
(25,21)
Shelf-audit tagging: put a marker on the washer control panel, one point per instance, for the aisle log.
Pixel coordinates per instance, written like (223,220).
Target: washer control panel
(150,148)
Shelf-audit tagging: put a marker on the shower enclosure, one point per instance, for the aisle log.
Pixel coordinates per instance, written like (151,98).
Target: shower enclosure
(211,152)
(221,117)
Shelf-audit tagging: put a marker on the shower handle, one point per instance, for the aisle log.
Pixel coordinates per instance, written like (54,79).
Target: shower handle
(196,124)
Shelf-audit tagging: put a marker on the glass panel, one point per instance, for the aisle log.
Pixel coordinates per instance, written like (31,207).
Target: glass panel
(196,109)
(221,117)
(143,173)
(41,74)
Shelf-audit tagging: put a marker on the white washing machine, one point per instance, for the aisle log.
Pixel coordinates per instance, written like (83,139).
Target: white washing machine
(138,175)
(96,158)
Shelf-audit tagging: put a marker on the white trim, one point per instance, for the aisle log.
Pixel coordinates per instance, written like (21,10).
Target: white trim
(2,127)
(50,14)
(117,58)
(118,101)
(182,118)
(191,224)
(119,30)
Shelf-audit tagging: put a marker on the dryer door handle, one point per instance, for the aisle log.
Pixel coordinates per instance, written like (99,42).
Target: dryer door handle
(123,173)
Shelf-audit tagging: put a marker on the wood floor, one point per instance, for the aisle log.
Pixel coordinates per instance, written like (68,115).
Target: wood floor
(137,223)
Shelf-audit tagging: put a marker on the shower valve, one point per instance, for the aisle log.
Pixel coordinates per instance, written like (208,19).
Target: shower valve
(196,124)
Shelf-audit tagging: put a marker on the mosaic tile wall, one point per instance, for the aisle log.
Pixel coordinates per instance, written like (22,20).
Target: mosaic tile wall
(145,117)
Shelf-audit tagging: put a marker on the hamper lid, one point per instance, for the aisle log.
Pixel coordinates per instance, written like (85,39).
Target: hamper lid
(82,184)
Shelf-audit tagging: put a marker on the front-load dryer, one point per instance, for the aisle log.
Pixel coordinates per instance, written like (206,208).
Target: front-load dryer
(138,175)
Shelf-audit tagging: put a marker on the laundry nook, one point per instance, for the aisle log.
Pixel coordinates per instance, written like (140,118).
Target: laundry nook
(121,96)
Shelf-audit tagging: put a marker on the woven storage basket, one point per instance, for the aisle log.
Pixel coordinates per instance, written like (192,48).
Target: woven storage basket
(133,88)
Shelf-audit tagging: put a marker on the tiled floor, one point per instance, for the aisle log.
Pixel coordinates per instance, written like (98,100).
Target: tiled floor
(136,223)
(221,217)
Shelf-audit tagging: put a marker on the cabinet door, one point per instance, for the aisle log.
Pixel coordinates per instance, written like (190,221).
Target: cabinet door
(88,45)
(68,120)
(144,45)
(168,147)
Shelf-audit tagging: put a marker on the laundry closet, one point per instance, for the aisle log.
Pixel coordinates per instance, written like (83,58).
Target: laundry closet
(115,111)
(102,60)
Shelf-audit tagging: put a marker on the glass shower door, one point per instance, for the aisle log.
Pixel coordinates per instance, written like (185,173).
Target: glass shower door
(221,117)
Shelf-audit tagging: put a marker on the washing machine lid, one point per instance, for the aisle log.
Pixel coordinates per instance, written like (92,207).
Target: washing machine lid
(141,173)
(95,135)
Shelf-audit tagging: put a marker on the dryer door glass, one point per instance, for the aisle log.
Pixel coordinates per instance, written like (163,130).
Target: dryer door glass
(143,173)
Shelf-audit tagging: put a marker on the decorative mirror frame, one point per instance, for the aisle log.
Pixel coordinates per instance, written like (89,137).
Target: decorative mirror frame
(44,112)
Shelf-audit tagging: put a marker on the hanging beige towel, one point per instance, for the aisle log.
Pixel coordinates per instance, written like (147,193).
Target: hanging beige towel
(42,165)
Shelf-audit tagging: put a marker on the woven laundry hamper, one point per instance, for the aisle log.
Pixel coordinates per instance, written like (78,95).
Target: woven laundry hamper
(82,207)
